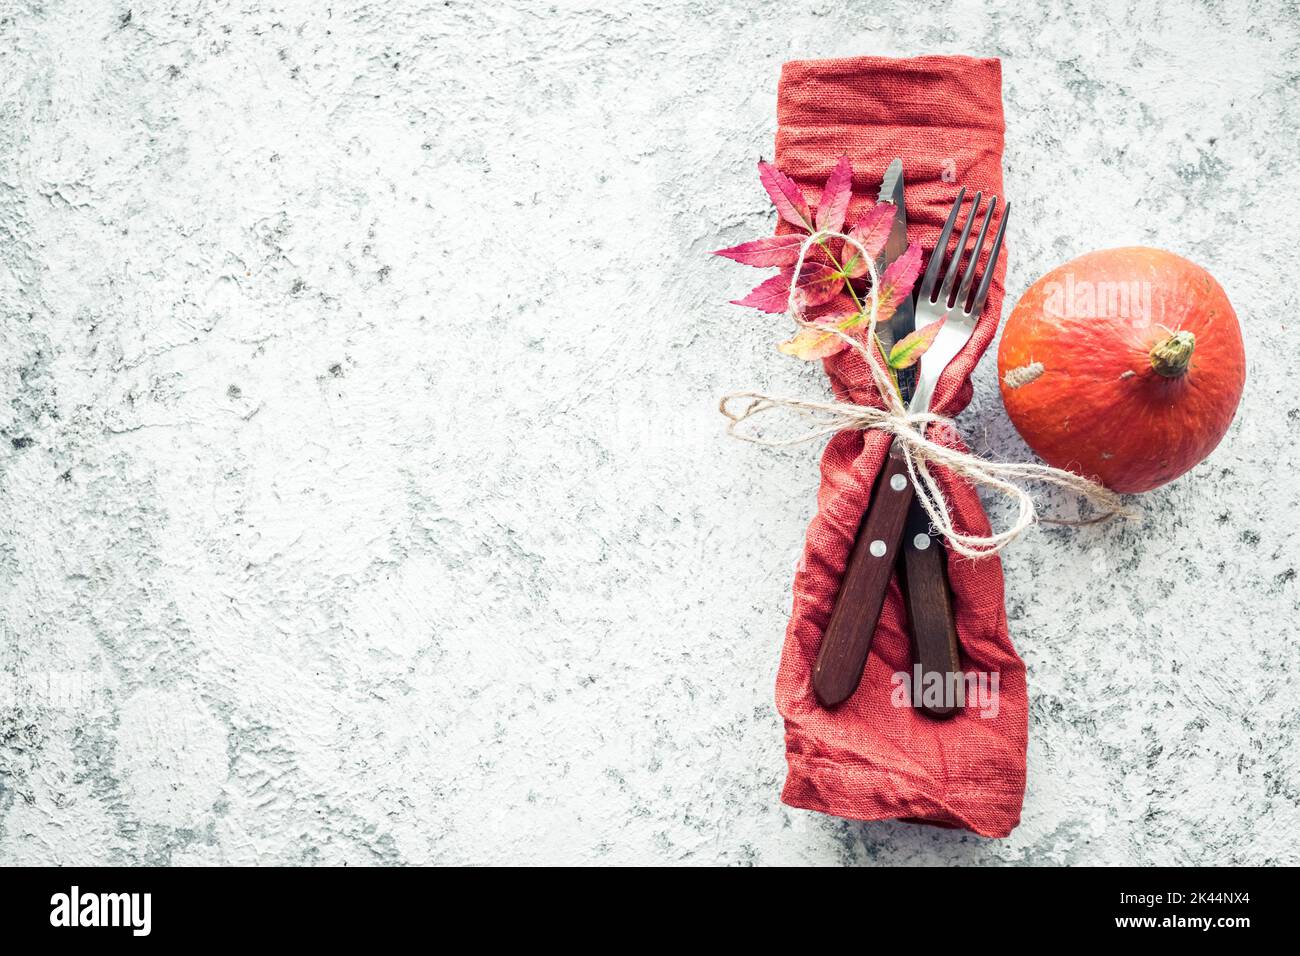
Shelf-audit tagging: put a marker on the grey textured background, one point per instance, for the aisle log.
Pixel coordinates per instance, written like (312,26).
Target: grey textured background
(362,493)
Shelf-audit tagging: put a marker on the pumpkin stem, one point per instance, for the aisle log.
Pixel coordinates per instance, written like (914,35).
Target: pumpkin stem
(1024,374)
(1172,355)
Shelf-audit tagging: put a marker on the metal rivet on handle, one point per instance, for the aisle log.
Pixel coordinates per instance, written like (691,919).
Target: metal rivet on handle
(921,541)
(878,548)
(898,482)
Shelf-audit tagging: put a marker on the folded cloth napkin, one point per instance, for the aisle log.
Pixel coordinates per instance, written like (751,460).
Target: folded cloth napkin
(870,759)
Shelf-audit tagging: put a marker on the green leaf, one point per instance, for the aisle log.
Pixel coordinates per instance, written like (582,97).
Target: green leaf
(908,352)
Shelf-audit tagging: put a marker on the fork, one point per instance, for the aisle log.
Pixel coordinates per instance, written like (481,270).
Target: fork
(847,640)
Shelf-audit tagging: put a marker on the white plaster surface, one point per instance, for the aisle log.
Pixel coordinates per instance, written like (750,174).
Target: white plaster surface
(362,493)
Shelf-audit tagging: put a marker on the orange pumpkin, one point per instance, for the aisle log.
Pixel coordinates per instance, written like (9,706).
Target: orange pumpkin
(1124,365)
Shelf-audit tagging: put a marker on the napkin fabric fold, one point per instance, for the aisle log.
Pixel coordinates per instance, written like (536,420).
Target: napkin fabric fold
(870,758)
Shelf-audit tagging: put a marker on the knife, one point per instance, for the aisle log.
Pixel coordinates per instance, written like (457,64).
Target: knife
(904,318)
(846,642)
(924,578)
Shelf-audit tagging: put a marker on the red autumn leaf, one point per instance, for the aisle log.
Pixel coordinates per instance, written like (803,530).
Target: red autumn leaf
(839,307)
(772,295)
(786,196)
(834,204)
(772,251)
(903,271)
(818,284)
(815,342)
(872,232)
(898,281)
(812,343)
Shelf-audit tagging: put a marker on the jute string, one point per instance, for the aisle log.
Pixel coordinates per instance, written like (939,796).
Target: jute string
(909,430)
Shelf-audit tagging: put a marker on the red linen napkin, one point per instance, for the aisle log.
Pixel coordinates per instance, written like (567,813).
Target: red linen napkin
(869,759)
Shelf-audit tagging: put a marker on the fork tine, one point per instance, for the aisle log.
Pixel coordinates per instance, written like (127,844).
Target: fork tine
(941,247)
(968,276)
(946,289)
(982,293)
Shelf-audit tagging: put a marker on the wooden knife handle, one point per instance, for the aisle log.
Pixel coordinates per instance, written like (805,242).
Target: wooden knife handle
(847,640)
(929,609)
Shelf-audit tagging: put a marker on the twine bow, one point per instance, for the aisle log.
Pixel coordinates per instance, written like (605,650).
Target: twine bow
(909,431)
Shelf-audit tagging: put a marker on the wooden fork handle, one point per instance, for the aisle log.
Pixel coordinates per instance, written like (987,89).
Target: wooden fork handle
(847,641)
(929,611)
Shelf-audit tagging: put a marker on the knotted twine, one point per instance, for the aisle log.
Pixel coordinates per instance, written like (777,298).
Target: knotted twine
(909,430)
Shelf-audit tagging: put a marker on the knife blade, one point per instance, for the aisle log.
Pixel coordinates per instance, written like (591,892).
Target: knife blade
(891,191)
